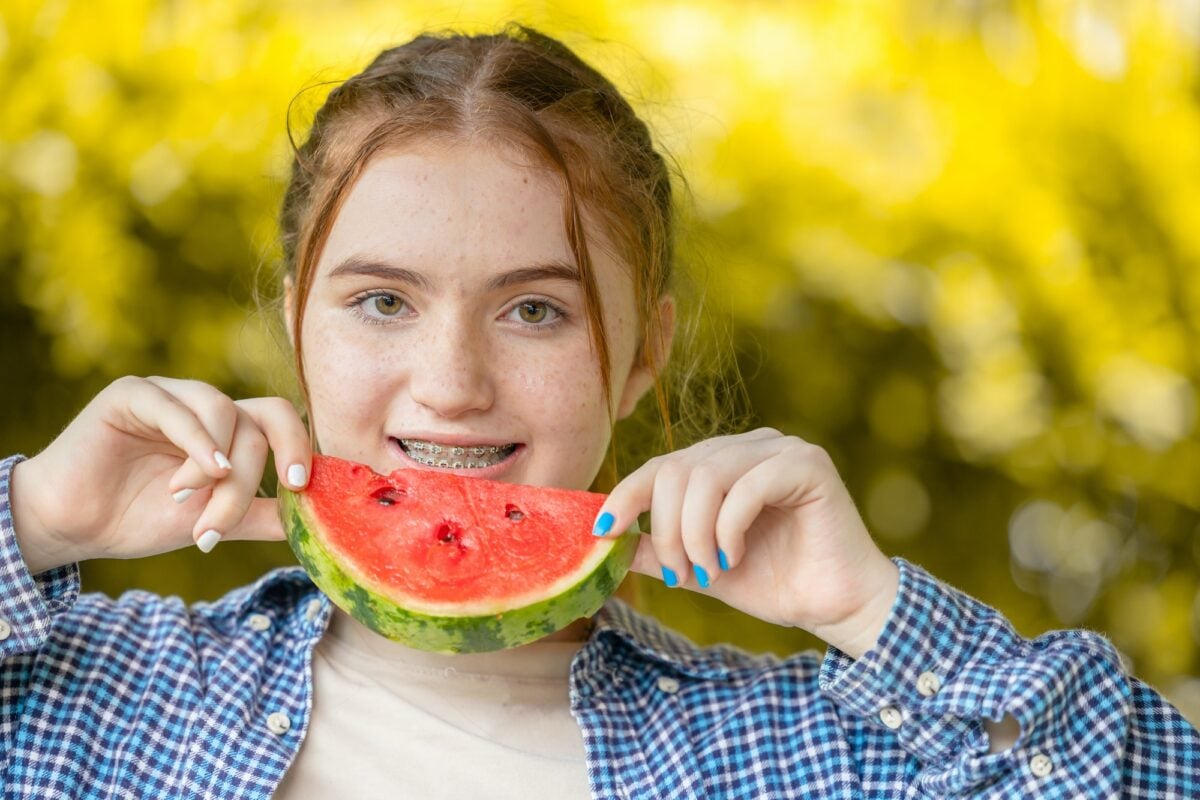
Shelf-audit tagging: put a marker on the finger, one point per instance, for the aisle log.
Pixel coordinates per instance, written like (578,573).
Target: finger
(706,486)
(670,481)
(187,479)
(231,497)
(215,410)
(787,478)
(703,449)
(629,498)
(708,481)
(286,436)
(155,409)
(632,495)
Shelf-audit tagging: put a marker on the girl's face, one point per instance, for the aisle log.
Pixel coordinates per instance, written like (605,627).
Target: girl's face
(445,327)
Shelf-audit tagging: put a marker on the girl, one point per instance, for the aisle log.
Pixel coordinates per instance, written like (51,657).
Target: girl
(478,241)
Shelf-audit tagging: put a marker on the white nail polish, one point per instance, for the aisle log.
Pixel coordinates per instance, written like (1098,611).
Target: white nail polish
(183,494)
(297,475)
(222,460)
(207,541)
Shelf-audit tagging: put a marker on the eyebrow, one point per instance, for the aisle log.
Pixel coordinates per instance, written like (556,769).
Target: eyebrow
(551,270)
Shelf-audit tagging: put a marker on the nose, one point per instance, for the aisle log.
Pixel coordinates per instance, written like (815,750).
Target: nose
(451,373)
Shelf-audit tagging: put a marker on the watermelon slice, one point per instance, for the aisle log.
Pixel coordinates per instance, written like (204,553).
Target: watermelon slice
(448,563)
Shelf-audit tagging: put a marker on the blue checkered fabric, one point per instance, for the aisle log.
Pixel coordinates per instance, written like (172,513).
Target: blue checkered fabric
(146,697)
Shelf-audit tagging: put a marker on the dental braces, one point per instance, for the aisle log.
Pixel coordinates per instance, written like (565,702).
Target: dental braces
(446,464)
(436,449)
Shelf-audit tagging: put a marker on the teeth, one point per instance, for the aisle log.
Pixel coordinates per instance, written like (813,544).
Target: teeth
(485,455)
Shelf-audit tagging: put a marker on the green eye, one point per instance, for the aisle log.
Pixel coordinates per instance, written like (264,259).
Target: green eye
(386,304)
(532,312)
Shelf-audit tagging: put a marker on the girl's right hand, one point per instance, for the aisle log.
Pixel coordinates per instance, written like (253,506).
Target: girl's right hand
(114,483)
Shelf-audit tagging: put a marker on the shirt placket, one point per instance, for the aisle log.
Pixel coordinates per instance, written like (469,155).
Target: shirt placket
(265,737)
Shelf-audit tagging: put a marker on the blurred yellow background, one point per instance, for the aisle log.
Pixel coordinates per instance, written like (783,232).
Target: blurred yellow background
(958,240)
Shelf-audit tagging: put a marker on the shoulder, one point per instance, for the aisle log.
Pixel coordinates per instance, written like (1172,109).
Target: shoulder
(283,594)
(641,637)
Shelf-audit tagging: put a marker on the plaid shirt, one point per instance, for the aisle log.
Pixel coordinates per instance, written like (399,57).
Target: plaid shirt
(146,697)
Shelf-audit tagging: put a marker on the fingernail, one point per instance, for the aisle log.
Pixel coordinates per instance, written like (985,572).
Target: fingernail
(183,494)
(297,476)
(207,541)
(222,460)
(701,576)
(722,559)
(669,577)
(603,524)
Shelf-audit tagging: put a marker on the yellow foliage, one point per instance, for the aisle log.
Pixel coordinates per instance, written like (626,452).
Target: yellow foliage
(962,237)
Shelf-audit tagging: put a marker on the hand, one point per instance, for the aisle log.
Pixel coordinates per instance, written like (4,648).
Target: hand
(113,484)
(796,550)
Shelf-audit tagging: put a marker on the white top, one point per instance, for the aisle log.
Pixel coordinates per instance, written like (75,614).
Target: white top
(390,721)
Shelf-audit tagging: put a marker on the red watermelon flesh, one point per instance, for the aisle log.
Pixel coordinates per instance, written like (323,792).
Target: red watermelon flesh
(452,563)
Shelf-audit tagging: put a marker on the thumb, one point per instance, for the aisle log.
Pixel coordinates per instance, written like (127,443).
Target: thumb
(261,523)
(645,561)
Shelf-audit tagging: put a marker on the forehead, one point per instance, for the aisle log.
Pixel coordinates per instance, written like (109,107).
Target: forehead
(451,203)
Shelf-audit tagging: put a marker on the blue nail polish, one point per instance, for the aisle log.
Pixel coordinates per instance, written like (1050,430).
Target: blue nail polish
(701,576)
(603,524)
(669,577)
(722,559)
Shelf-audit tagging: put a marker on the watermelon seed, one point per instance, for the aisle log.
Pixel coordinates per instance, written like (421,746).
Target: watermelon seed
(514,513)
(388,496)
(447,533)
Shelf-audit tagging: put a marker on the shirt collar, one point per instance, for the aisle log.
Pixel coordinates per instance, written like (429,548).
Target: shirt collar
(283,588)
(617,621)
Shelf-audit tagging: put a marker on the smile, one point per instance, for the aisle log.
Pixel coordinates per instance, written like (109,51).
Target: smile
(447,456)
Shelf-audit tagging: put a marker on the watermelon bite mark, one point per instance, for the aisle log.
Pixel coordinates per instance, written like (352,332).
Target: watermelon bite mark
(452,563)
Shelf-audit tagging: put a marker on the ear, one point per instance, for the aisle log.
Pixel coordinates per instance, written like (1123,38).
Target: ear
(651,358)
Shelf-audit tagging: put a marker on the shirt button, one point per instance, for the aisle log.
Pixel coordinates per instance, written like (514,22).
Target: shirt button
(5,630)
(928,684)
(668,685)
(890,716)
(278,723)
(1040,765)
(259,622)
(314,608)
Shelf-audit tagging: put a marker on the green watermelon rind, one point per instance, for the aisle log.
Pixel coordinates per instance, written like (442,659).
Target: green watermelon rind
(451,634)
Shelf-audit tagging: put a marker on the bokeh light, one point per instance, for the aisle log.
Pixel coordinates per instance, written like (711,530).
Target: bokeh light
(957,241)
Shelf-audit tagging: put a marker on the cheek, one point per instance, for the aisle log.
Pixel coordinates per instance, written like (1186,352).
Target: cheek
(344,383)
(564,395)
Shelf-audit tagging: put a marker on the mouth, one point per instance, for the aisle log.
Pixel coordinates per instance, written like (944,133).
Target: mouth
(455,456)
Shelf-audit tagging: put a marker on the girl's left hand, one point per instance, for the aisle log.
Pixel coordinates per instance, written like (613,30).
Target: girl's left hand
(763,522)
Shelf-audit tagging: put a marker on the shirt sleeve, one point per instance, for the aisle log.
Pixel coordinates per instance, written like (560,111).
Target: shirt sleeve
(945,662)
(28,603)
